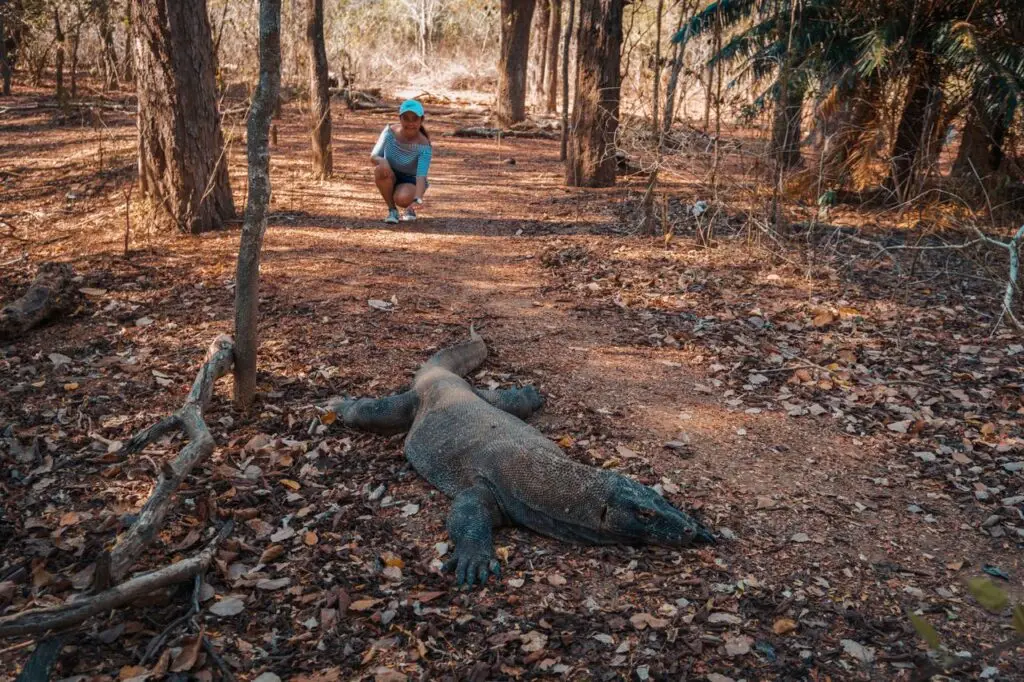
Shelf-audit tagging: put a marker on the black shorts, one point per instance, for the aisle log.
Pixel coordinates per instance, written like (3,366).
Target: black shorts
(403,179)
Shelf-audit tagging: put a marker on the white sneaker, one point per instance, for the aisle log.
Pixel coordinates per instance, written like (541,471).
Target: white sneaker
(392,218)
(410,215)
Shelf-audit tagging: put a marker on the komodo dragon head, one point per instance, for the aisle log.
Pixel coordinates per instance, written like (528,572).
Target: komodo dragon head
(635,514)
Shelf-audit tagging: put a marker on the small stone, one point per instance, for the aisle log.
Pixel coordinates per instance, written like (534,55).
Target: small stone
(981,495)
(1014,466)
(724,618)
(862,653)
(1012,501)
(925,457)
(801,537)
(914,509)
(991,521)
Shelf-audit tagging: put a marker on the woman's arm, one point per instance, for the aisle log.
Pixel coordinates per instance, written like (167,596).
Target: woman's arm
(421,187)
(377,155)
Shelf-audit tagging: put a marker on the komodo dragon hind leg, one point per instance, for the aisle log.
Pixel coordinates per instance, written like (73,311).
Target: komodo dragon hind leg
(386,416)
(474,515)
(521,402)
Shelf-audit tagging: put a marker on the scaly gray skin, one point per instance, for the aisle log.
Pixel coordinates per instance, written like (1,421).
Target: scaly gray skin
(498,470)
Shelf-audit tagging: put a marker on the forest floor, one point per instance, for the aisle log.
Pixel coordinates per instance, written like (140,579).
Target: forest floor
(851,425)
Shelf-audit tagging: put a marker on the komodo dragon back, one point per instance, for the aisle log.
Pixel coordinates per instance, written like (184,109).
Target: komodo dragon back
(460,359)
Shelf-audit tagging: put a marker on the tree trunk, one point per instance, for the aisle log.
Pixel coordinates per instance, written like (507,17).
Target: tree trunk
(914,128)
(516,16)
(319,97)
(75,42)
(182,169)
(591,158)
(58,36)
(109,52)
(981,145)
(656,96)
(673,77)
(5,64)
(541,18)
(569,17)
(786,124)
(554,36)
(128,60)
(247,277)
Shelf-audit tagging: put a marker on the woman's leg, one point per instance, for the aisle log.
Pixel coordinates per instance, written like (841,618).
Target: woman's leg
(385,179)
(404,194)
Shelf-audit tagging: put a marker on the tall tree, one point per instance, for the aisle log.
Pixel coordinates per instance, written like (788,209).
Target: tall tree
(108,51)
(516,18)
(591,160)
(554,38)
(5,64)
(247,276)
(985,129)
(182,167)
(539,55)
(569,17)
(59,39)
(677,66)
(656,96)
(319,98)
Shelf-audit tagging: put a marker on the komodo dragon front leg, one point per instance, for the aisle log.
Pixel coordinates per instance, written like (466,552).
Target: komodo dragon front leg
(474,515)
(386,416)
(395,414)
(521,402)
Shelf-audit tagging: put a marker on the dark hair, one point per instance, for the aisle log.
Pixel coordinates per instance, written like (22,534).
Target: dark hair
(424,131)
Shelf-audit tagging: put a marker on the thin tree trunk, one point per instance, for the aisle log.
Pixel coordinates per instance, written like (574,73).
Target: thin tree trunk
(75,41)
(981,144)
(911,134)
(108,51)
(516,17)
(541,18)
(182,169)
(128,60)
(709,84)
(591,159)
(565,78)
(319,97)
(656,96)
(258,154)
(58,33)
(673,78)
(5,64)
(554,35)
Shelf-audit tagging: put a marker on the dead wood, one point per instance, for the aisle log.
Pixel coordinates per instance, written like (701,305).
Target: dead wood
(219,360)
(50,294)
(485,132)
(35,621)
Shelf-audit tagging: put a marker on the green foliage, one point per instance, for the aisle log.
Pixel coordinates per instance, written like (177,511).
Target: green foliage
(926,631)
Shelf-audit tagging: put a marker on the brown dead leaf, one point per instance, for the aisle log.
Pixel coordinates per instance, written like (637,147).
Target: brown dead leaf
(272,553)
(189,654)
(784,626)
(328,675)
(310,538)
(556,579)
(328,418)
(363,604)
(131,672)
(566,441)
(642,621)
(823,319)
(290,484)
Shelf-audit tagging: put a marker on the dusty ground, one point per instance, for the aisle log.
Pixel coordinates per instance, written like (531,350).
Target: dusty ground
(797,391)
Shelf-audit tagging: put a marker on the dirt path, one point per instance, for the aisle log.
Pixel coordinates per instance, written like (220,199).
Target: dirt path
(823,548)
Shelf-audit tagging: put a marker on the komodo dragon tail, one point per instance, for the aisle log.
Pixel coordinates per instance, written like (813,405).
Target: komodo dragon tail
(461,358)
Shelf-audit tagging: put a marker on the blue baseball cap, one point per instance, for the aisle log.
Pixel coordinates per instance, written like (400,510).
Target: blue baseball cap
(411,105)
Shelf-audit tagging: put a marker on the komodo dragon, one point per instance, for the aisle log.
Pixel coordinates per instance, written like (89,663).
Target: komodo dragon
(473,445)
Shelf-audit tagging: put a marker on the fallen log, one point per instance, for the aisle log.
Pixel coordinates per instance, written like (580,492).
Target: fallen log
(36,621)
(485,132)
(52,292)
(129,547)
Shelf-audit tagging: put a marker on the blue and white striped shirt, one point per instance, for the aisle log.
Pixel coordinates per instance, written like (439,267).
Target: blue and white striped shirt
(403,157)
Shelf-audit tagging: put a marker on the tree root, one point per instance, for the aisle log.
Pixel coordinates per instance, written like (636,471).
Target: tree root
(35,621)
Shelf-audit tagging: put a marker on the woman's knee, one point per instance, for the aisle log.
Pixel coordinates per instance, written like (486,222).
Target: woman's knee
(404,194)
(382,172)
